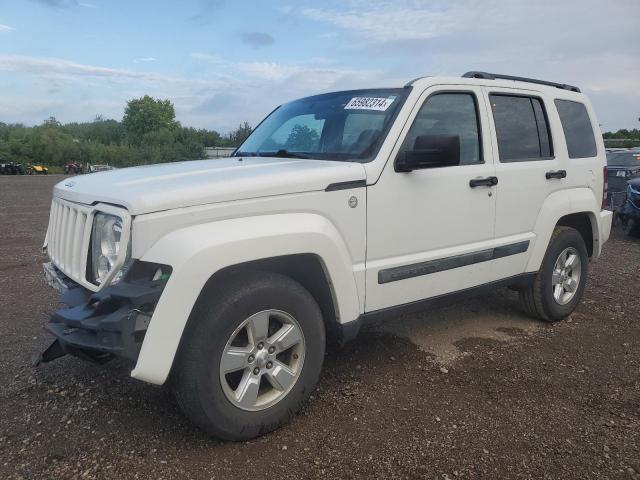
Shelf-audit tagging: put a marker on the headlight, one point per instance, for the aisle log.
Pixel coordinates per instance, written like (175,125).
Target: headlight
(105,246)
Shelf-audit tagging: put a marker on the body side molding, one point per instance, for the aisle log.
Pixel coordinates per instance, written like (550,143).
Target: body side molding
(425,268)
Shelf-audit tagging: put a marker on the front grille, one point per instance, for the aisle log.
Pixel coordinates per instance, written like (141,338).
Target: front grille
(68,237)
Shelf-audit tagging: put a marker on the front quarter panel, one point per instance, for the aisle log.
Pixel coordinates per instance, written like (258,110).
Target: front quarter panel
(196,252)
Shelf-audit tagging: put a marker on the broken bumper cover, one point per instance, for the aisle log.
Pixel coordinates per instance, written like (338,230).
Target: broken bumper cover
(102,325)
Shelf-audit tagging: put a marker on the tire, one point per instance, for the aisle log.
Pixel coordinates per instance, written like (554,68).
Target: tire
(538,300)
(197,381)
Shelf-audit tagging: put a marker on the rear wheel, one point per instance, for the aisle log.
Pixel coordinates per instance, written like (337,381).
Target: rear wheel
(560,282)
(250,357)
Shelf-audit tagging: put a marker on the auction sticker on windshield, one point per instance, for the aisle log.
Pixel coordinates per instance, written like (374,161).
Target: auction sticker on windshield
(369,103)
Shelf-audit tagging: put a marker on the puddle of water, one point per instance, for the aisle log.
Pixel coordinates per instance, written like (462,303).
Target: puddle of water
(437,331)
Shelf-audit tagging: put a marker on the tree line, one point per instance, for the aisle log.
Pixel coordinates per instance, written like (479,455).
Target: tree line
(623,138)
(148,133)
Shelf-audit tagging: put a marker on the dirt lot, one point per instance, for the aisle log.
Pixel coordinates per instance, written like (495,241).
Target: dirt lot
(483,392)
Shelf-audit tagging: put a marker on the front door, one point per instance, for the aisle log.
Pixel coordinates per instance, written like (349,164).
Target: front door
(430,231)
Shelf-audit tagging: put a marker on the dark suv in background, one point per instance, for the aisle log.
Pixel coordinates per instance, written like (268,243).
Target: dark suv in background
(623,167)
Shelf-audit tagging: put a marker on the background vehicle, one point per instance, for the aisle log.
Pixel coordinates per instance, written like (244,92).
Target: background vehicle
(100,168)
(622,165)
(11,169)
(631,209)
(37,170)
(227,276)
(72,168)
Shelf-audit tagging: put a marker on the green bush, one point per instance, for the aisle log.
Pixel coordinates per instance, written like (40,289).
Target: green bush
(148,134)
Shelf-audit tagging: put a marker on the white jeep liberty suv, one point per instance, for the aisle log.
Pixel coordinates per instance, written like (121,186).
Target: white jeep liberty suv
(224,278)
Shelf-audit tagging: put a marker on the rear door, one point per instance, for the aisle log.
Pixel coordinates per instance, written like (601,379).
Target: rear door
(528,167)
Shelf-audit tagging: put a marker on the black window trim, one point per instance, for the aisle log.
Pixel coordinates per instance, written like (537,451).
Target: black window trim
(474,96)
(565,134)
(546,119)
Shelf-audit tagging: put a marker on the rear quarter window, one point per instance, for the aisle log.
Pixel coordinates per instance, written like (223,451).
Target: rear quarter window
(576,124)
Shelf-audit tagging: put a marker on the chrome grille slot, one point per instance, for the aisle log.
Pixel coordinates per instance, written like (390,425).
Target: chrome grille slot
(68,238)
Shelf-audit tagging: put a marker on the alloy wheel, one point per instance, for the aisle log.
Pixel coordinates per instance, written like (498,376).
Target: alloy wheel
(566,275)
(262,360)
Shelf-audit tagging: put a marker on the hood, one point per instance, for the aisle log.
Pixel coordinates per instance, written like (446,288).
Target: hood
(153,188)
(635,183)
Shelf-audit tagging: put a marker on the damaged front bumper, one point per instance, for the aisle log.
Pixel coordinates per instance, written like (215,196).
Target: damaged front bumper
(102,325)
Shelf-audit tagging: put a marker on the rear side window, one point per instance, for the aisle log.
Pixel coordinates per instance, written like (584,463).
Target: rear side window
(521,128)
(577,129)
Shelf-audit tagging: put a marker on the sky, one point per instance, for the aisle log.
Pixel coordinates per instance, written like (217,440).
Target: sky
(222,62)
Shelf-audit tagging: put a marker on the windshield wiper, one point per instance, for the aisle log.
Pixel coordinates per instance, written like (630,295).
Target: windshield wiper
(245,154)
(282,154)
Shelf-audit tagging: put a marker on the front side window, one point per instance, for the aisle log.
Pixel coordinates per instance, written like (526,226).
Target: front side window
(343,126)
(449,116)
(521,128)
(577,129)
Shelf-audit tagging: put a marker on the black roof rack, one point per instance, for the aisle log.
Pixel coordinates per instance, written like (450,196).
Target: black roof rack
(493,76)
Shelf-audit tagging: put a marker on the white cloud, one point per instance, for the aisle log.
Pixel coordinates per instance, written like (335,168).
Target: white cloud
(206,57)
(268,70)
(145,60)
(41,65)
(62,69)
(87,5)
(386,21)
(6,28)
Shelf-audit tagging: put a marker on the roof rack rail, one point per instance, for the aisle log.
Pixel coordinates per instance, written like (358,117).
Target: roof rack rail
(493,76)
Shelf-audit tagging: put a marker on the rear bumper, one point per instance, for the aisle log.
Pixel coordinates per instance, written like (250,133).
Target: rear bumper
(604,228)
(100,326)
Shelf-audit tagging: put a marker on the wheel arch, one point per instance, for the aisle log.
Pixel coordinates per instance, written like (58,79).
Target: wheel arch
(308,269)
(575,208)
(203,255)
(585,224)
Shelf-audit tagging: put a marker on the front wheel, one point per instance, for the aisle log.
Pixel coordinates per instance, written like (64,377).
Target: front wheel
(560,282)
(250,357)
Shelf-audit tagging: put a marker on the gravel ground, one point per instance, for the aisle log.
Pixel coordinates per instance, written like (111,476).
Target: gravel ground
(482,392)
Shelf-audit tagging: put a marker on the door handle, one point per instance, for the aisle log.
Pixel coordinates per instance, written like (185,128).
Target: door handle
(555,174)
(486,182)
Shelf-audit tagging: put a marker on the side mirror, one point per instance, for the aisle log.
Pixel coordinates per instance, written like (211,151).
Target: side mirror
(430,151)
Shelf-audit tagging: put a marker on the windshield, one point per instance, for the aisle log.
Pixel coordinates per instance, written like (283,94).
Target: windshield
(623,159)
(346,126)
